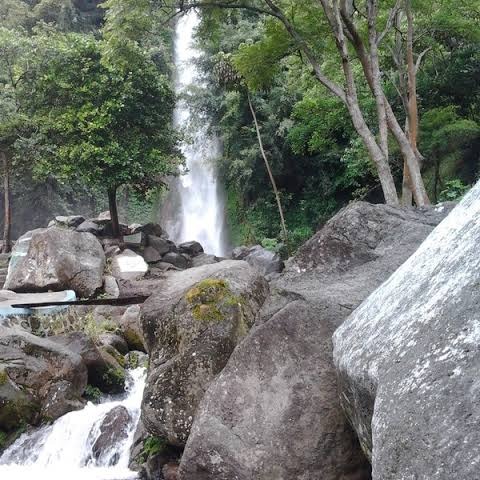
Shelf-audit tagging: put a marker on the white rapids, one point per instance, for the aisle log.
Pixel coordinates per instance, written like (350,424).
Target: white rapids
(63,450)
(195,207)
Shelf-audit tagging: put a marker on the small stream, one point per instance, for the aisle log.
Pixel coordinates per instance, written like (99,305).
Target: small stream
(64,450)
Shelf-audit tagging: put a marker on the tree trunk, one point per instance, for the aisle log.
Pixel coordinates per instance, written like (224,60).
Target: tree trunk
(412,106)
(377,90)
(408,153)
(112,204)
(269,170)
(7,215)
(347,95)
(377,154)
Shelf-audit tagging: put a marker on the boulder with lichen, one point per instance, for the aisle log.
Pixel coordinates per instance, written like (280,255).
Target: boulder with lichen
(191,326)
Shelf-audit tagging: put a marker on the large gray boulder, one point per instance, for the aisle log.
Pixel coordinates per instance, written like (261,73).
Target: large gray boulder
(191,325)
(39,379)
(408,359)
(56,259)
(263,260)
(274,412)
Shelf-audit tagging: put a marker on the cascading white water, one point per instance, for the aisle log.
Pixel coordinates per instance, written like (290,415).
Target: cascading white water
(195,205)
(63,450)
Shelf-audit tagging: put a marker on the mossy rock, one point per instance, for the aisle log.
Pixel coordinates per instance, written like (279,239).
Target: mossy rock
(133,339)
(114,380)
(115,354)
(3,377)
(110,375)
(17,412)
(209,299)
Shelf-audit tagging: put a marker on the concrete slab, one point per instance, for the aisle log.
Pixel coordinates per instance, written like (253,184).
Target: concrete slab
(128,266)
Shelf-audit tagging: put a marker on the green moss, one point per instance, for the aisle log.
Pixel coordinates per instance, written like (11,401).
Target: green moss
(92,394)
(3,377)
(152,446)
(94,329)
(3,439)
(114,378)
(116,355)
(209,298)
(133,339)
(14,414)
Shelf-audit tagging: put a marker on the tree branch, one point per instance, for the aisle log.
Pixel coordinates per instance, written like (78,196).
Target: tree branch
(420,57)
(390,20)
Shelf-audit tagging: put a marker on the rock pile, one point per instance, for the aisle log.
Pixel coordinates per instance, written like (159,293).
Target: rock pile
(273,411)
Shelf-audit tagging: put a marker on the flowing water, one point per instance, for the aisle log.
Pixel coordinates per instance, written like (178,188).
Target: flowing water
(194,209)
(63,450)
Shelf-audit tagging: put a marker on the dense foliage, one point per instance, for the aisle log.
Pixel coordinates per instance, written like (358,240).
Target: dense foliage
(86,102)
(78,110)
(318,159)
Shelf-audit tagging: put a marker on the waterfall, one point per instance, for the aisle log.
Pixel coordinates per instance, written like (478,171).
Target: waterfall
(64,450)
(194,209)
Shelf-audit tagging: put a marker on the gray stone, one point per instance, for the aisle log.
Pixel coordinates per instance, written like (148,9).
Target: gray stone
(135,240)
(151,255)
(56,259)
(240,253)
(273,411)
(134,227)
(260,258)
(110,286)
(71,221)
(161,267)
(204,259)
(90,227)
(190,330)
(161,245)
(112,379)
(149,229)
(100,364)
(176,259)
(113,430)
(264,260)
(190,248)
(103,218)
(49,379)
(408,358)
(130,328)
(115,341)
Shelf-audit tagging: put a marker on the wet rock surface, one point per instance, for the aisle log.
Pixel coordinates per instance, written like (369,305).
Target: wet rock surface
(39,378)
(112,431)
